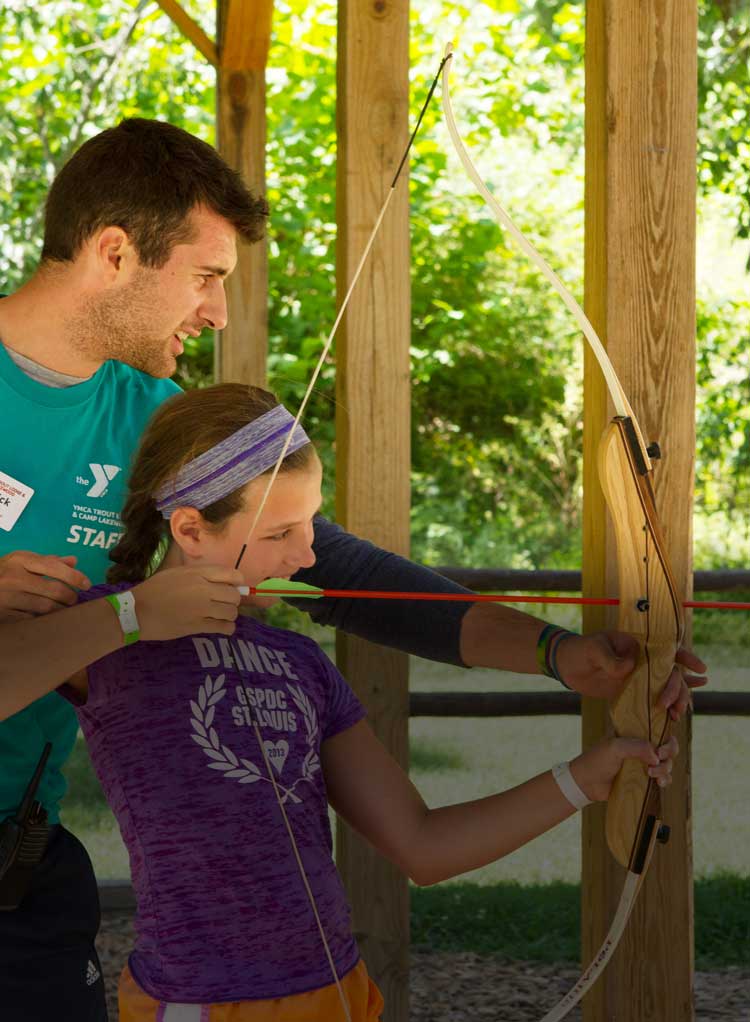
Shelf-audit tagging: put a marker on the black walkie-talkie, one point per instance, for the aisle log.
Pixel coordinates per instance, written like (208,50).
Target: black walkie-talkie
(23,840)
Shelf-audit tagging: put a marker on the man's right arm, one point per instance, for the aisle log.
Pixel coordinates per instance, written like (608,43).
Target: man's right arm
(37,654)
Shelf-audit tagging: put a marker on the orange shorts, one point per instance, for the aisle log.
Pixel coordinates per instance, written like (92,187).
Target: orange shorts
(324,1005)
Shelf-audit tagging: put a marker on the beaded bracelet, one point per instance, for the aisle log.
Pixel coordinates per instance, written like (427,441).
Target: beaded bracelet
(547,648)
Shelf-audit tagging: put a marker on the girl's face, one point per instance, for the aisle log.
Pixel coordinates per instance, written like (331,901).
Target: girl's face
(282,539)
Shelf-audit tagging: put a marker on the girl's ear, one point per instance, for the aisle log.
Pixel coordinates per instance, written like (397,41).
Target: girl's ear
(189,530)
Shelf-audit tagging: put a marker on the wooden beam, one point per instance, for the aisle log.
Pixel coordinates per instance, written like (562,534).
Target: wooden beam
(191,29)
(241,349)
(246,35)
(372,423)
(640,294)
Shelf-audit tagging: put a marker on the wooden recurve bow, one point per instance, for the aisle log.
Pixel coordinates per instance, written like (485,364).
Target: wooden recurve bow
(649,607)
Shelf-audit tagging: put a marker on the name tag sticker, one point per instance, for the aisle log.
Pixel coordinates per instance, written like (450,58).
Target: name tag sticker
(14,497)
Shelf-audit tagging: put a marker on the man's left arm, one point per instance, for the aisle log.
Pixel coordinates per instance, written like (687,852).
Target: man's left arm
(469,635)
(343,561)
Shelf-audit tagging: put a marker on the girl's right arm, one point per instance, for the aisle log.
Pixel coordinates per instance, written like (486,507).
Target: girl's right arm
(373,794)
(39,654)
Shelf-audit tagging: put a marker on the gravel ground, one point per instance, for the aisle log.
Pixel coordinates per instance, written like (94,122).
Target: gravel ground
(465,987)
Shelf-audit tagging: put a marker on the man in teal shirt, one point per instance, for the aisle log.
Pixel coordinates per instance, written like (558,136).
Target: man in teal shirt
(140,233)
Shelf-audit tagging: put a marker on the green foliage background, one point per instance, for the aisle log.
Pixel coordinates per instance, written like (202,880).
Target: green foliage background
(495,358)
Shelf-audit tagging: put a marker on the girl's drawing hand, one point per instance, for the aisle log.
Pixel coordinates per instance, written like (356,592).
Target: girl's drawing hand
(188,601)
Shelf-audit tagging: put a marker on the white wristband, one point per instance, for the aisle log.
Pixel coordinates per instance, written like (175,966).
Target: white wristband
(124,606)
(568,786)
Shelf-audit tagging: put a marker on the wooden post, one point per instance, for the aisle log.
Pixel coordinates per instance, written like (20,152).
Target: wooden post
(372,423)
(640,294)
(243,31)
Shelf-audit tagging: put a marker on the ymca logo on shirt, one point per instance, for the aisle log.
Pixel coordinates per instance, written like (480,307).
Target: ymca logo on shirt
(103,476)
(95,524)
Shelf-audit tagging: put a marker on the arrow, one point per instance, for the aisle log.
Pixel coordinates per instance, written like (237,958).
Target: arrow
(301,591)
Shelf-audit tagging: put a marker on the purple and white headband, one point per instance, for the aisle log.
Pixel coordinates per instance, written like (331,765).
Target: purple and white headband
(243,456)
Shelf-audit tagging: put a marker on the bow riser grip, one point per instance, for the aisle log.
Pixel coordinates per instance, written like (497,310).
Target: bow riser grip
(650,611)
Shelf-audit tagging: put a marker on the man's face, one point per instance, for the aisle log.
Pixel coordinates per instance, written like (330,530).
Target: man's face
(144,322)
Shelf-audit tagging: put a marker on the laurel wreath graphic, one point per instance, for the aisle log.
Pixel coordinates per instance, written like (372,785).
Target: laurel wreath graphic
(223,759)
(311,763)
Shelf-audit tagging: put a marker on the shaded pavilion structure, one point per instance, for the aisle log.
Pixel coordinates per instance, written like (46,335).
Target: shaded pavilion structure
(640,217)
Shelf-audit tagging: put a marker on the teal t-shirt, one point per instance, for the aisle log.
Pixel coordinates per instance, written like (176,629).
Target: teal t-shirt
(73,447)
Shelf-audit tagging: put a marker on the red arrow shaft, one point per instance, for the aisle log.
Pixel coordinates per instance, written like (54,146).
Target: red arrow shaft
(377,594)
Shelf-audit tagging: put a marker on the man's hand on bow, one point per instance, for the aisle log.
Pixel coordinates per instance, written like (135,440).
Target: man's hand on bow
(676,696)
(600,664)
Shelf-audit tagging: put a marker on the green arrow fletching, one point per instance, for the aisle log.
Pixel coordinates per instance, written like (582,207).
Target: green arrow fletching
(297,590)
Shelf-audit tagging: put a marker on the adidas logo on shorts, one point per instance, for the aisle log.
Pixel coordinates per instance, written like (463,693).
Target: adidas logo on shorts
(92,974)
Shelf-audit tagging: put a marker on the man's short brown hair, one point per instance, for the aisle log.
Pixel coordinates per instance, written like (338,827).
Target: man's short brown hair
(145,176)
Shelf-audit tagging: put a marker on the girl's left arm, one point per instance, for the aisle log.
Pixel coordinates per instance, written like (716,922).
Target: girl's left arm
(368,788)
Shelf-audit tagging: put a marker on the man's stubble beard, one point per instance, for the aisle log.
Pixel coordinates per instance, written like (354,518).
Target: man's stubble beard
(118,325)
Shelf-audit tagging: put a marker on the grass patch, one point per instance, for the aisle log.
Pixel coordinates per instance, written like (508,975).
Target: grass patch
(542,922)
(435,757)
(722,921)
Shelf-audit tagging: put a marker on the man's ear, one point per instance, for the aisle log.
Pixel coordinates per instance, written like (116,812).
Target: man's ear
(189,530)
(114,254)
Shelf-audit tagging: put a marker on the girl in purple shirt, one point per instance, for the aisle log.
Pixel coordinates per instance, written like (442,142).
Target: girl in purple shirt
(220,752)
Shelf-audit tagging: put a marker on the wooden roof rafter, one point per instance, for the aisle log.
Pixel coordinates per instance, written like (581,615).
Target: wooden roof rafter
(245,34)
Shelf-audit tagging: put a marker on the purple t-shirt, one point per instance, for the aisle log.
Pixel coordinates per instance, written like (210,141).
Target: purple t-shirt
(222,911)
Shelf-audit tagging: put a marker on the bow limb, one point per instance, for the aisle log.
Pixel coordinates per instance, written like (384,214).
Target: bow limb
(621,404)
(600,960)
